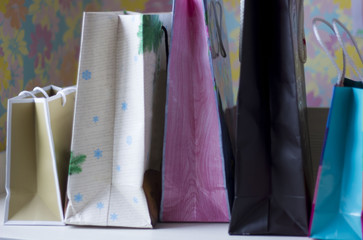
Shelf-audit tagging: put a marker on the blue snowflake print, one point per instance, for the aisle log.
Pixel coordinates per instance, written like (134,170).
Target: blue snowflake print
(86,75)
(113,216)
(118,168)
(100,205)
(135,200)
(95,119)
(98,153)
(136,58)
(78,197)
(124,106)
(129,140)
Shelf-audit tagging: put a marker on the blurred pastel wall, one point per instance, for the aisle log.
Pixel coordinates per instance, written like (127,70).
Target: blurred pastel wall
(40,40)
(320,73)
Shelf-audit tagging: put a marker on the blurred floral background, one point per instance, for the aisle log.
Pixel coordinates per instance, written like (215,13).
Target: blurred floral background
(320,73)
(40,41)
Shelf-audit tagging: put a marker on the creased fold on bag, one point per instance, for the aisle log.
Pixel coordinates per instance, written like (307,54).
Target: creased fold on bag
(273,167)
(38,143)
(122,62)
(197,150)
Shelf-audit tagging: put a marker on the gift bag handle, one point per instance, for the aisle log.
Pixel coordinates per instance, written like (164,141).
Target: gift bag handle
(166,44)
(218,22)
(242,14)
(301,33)
(63,93)
(45,94)
(27,93)
(341,42)
(341,73)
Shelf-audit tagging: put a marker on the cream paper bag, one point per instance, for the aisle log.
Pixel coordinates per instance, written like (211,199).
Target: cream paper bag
(38,144)
(114,177)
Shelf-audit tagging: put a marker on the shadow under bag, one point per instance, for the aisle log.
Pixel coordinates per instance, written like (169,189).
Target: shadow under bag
(273,169)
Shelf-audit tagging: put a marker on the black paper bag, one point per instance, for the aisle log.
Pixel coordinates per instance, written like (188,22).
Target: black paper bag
(273,169)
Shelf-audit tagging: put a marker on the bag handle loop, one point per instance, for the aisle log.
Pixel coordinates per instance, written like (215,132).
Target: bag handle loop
(27,93)
(220,49)
(163,28)
(341,42)
(341,73)
(34,90)
(63,93)
(45,94)
(301,34)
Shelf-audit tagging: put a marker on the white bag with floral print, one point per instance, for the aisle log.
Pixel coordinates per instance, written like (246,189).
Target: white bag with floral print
(114,174)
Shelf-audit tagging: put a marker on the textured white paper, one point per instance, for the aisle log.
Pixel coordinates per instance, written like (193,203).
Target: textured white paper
(112,123)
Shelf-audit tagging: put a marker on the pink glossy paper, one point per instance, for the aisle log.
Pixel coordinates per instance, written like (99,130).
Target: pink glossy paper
(193,175)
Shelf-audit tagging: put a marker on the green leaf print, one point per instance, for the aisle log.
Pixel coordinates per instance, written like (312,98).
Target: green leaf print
(150,34)
(75,163)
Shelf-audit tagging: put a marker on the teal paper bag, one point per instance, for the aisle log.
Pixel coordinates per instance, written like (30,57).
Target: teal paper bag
(337,205)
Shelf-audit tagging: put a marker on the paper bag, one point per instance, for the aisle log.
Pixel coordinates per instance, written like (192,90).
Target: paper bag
(197,163)
(114,179)
(38,146)
(273,167)
(337,206)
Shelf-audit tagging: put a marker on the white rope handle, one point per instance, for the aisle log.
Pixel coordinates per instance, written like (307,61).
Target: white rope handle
(27,93)
(341,42)
(341,73)
(42,91)
(63,93)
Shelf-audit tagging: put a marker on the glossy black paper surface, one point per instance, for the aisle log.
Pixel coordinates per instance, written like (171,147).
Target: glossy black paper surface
(271,196)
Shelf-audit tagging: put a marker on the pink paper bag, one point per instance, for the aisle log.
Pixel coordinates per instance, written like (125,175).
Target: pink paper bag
(197,146)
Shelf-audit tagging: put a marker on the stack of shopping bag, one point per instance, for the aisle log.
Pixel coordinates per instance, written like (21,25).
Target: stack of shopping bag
(150,87)
(151,132)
